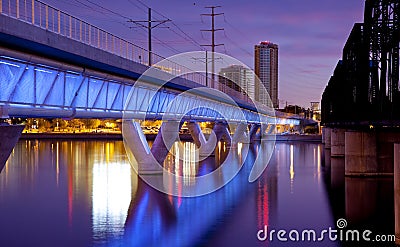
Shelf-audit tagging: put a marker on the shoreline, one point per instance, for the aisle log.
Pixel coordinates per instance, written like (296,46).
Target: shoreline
(118,136)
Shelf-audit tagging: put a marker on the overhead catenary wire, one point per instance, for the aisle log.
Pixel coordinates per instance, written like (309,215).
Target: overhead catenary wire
(175,25)
(108,11)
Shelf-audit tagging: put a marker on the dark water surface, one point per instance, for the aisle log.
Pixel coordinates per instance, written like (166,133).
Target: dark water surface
(85,193)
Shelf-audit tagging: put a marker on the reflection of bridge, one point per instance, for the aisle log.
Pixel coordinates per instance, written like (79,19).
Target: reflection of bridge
(361,104)
(55,65)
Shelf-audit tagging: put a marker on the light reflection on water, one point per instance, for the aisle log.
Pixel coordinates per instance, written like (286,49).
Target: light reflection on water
(76,193)
(111,197)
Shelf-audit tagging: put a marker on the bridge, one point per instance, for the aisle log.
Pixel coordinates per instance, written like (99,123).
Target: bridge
(55,65)
(361,103)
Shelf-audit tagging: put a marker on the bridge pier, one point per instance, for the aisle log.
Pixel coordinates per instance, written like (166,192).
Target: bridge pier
(397,191)
(167,135)
(206,147)
(360,153)
(326,132)
(385,150)
(241,134)
(9,136)
(222,132)
(337,142)
(253,132)
(370,152)
(272,129)
(327,158)
(149,161)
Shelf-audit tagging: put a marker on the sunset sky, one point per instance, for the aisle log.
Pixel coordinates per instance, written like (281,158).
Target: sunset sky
(310,33)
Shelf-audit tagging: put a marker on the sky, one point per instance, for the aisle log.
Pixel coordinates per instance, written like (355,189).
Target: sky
(310,33)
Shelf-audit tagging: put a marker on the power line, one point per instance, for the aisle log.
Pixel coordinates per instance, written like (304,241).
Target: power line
(109,10)
(173,23)
(90,7)
(137,6)
(238,46)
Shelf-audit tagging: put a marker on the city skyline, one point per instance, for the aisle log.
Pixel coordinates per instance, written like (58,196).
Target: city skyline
(310,33)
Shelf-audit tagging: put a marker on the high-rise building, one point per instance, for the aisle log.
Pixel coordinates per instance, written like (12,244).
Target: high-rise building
(238,78)
(266,68)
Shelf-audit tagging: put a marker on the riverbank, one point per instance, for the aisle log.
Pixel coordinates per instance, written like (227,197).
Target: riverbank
(299,138)
(118,136)
(73,136)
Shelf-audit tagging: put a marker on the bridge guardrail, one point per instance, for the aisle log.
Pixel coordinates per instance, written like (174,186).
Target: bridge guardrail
(42,15)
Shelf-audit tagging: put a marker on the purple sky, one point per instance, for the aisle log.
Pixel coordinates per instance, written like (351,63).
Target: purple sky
(310,33)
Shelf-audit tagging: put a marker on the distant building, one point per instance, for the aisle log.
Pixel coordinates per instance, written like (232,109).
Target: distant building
(266,68)
(315,111)
(239,78)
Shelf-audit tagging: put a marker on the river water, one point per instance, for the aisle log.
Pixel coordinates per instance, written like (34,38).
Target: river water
(85,193)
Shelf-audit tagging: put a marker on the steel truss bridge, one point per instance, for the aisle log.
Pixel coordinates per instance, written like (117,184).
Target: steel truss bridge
(364,89)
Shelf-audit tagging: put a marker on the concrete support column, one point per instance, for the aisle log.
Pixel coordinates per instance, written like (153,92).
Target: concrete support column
(337,142)
(327,137)
(253,132)
(9,136)
(196,133)
(263,131)
(360,153)
(385,150)
(166,137)
(222,132)
(149,161)
(206,147)
(241,134)
(397,191)
(271,129)
(327,158)
(138,150)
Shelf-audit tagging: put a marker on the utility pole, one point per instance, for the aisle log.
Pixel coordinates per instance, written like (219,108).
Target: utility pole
(206,61)
(213,45)
(149,28)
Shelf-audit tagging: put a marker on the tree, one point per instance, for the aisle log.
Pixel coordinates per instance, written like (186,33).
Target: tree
(92,123)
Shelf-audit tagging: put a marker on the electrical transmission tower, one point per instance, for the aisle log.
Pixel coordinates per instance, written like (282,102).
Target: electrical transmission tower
(149,28)
(213,45)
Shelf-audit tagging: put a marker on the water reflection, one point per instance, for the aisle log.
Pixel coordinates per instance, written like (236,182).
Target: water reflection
(111,197)
(65,193)
(365,202)
(72,193)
